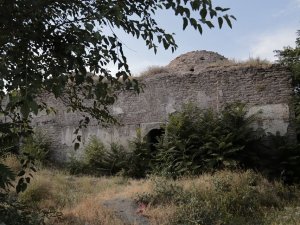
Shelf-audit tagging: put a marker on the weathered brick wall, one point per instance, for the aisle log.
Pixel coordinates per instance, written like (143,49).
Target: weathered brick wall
(266,88)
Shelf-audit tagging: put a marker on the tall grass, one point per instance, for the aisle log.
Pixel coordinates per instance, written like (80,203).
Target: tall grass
(233,198)
(77,198)
(225,197)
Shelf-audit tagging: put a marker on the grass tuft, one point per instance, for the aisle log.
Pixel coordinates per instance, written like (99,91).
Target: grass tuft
(153,70)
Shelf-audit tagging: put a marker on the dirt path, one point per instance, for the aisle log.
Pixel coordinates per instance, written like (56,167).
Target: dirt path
(127,210)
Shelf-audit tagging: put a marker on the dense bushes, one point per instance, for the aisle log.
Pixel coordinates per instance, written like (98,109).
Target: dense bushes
(202,140)
(197,141)
(140,158)
(13,211)
(280,159)
(99,159)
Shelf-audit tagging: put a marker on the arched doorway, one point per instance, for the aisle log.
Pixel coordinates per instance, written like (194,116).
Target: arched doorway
(152,138)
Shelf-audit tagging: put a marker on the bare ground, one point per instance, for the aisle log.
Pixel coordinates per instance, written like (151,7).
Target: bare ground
(127,210)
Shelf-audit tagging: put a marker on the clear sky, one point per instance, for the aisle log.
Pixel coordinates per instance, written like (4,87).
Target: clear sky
(261,27)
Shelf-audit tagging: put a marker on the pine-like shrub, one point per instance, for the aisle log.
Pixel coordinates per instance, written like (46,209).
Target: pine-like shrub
(37,146)
(201,140)
(140,158)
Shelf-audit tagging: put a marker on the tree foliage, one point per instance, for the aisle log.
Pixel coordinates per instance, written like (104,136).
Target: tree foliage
(63,48)
(47,45)
(290,57)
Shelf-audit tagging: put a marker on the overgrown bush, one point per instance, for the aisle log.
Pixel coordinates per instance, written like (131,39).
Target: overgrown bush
(197,141)
(99,159)
(279,159)
(37,146)
(93,155)
(77,166)
(201,140)
(163,192)
(140,158)
(22,209)
(15,175)
(36,192)
(114,159)
(13,212)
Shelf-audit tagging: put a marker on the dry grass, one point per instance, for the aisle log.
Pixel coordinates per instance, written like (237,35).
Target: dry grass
(270,202)
(153,70)
(12,162)
(254,62)
(88,211)
(80,198)
(236,64)
(161,214)
(219,65)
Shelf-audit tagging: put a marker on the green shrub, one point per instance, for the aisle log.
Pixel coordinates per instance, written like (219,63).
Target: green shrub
(280,159)
(200,140)
(164,192)
(77,166)
(91,161)
(99,159)
(94,152)
(14,212)
(115,160)
(35,193)
(140,158)
(37,146)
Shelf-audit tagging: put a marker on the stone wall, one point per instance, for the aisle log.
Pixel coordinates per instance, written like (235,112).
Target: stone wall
(205,79)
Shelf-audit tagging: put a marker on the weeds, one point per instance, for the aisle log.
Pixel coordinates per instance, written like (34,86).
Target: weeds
(229,198)
(153,70)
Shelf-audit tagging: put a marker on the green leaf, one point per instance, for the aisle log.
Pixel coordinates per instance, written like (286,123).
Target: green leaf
(79,138)
(25,110)
(233,17)
(203,13)
(193,23)
(33,169)
(199,28)
(209,24)
(76,146)
(185,23)
(21,173)
(34,107)
(228,21)
(165,43)
(89,26)
(220,21)
(195,4)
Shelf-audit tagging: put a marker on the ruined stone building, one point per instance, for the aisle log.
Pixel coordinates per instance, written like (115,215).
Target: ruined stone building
(201,77)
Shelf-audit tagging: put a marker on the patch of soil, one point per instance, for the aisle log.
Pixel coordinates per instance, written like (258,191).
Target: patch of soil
(127,210)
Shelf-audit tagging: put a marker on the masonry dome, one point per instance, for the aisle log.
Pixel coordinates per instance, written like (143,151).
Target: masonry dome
(195,60)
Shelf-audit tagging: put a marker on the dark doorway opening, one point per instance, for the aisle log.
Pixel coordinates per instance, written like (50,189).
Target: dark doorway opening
(152,138)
